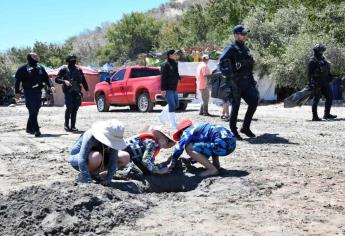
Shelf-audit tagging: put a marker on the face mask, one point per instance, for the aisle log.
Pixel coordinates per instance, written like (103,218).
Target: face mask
(32,62)
(318,54)
(72,63)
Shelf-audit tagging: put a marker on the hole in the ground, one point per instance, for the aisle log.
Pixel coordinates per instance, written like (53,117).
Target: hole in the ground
(183,179)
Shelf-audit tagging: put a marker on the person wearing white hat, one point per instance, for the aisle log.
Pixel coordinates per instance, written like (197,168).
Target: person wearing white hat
(96,151)
(202,71)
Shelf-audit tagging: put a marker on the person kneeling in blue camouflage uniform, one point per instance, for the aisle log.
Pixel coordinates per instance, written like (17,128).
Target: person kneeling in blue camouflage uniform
(202,141)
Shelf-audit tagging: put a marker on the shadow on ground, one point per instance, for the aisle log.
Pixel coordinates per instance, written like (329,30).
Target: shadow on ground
(269,139)
(51,135)
(154,111)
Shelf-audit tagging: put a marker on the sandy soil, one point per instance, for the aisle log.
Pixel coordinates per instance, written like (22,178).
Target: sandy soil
(288,181)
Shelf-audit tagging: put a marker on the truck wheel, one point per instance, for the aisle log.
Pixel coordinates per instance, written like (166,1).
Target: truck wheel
(144,103)
(102,104)
(182,106)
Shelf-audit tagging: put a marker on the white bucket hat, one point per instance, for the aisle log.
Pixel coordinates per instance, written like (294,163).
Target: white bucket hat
(160,129)
(164,131)
(110,133)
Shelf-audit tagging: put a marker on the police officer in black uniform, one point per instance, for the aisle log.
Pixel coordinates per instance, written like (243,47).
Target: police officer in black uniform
(32,77)
(236,63)
(71,77)
(319,77)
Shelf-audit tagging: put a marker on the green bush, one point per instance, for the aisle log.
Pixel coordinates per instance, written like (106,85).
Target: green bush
(291,69)
(6,71)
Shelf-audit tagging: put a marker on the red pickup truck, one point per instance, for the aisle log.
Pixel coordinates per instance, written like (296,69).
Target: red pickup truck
(139,88)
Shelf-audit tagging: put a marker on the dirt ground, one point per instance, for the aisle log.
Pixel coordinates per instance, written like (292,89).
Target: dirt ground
(290,180)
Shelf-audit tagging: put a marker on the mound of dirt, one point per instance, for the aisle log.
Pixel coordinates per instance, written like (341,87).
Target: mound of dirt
(68,209)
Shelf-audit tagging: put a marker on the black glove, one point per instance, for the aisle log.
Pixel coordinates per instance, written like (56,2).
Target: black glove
(311,84)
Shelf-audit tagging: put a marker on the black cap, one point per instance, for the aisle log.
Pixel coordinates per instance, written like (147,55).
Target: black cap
(319,47)
(71,57)
(170,52)
(240,29)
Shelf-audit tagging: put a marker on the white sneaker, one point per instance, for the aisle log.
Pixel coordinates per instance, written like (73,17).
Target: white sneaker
(172,118)
(163,115)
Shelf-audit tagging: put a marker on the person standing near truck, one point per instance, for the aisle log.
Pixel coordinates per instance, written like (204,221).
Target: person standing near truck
(71,77)
(202,71)
(32,76)
(169,80)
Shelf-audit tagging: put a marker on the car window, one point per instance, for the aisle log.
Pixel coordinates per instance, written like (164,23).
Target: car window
(119,75)
(143,72)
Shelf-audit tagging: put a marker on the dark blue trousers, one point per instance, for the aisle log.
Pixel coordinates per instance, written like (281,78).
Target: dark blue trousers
(33,104)
(323,88)
(244,88)
(72,102)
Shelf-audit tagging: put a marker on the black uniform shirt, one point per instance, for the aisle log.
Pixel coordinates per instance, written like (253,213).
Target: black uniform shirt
(75,76)
(31,78)
(236,60)
(319,70)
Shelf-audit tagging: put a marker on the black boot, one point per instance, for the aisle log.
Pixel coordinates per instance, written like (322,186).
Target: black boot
(67,128)
(206,110)
(248,132)
(237,135)
(329,117)
(201,111)
(29,129)
(316,118)
(37,133)
(73,121)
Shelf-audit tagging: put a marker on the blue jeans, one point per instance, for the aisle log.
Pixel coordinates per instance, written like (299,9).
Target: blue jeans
(33,104)
(74,154)
(172,100)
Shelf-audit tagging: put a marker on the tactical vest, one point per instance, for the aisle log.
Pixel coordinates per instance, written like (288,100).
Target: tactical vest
(35,75)
(75,78)
(322,70)
(244,62)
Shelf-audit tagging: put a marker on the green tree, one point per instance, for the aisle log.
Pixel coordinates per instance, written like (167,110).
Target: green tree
(18,55)
(291,69)
(51,55)
(194,25)
(135,33)
(331,21)
(6,71)
(171,36)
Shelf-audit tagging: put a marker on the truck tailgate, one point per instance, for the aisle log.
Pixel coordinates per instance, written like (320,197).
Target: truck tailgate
(187,84)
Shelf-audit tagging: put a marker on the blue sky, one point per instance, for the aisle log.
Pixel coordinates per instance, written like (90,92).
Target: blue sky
(22,22)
